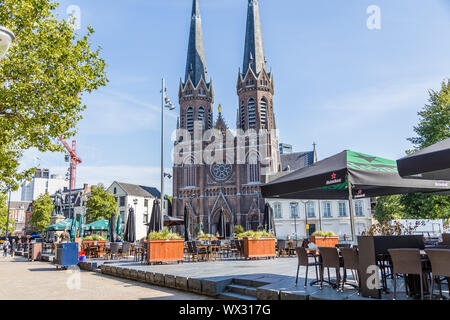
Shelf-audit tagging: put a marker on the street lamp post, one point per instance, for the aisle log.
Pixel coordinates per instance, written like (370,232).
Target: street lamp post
(306,218)
(9,206)
(165,103)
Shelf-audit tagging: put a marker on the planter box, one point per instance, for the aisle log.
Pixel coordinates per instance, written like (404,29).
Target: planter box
(259,248)
(101,243)
(324,241)
(165,250)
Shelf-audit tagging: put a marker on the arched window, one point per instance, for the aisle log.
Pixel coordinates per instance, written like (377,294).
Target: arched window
(253,169)
(242,114)
(251,113)
(189,174)
(263,112)
(209,120)
(201,117)
(190,119)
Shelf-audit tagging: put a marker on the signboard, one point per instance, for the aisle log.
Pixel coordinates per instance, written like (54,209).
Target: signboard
(424,226)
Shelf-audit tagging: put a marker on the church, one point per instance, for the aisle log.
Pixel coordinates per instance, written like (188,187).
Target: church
(226,181)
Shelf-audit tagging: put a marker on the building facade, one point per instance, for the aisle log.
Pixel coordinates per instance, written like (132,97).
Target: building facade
(244,158)
(140,198)
(42,182)
(18,212)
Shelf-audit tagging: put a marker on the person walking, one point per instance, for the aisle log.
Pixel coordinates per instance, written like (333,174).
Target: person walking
(5,247)
(13,247)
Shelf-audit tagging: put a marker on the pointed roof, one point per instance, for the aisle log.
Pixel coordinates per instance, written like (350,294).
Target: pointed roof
(196,62)
(220,122)
(254,57)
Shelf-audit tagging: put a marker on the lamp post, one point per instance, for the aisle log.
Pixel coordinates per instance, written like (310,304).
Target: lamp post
(7,219)
(6,38)
(165,103)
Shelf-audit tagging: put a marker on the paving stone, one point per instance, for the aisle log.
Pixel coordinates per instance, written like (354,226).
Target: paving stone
(159,279)
(267,294)
(181,283)
(169,281)
(149,277)
(195,285)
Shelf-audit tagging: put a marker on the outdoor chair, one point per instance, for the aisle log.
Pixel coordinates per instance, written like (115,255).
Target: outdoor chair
(282,247)
(126,247)
(351,262)
(199,252)
(384,262)
(407,262)
(330,259)
(113,250)
(303,260)
(440,268)
(234,247)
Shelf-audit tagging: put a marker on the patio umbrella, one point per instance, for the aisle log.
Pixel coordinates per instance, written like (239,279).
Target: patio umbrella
(81,226)
(169,207)
(347,175)
(431,163)
(221,224)
(99,225)
(60,226)
(130,227)
(268,220)
(155,220)
(119,229)
(73,229)
(112,228)
(187,235)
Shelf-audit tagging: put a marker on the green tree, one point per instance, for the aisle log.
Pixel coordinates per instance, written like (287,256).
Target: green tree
(389,208)
(42,80)
(100,204)
(42,211)
(433,126)
(4,216)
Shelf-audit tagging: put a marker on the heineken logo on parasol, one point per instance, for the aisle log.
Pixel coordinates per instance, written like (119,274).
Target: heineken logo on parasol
(333,180)
(360,194)
(441,184)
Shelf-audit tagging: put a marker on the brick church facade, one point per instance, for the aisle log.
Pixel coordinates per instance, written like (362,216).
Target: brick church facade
(230,184)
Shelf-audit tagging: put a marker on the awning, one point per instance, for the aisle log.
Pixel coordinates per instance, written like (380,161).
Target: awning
(60,226)
(100,225)
(328,179)
(431,163)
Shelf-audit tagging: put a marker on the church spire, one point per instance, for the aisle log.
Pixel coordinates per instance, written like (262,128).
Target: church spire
(254,57)
(196,62)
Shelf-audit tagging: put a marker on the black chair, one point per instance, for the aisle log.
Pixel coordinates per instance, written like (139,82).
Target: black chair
(408,262)
(303,260)
(440,268)
(351,262)
(330,259)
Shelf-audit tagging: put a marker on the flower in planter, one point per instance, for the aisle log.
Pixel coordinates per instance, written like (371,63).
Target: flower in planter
(255,234)
(324,234)
(165,234)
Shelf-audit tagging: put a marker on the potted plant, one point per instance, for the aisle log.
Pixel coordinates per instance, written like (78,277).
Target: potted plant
(258,244)
(165,246)
(206,237)
(324,239)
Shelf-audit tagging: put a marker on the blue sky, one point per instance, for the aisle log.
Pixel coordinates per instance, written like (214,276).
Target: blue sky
(337,83)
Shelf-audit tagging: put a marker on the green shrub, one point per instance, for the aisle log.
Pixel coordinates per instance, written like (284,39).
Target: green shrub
(238,229)
(165,234)
(324,234)
(94,238)
(205,236)
(255,234)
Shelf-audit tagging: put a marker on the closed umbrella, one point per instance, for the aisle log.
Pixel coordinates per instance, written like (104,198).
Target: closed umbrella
(268,220)
(130,227)
(112,228)
(73,229)
(187,235)
(119,229)
(155,220)
(221,224)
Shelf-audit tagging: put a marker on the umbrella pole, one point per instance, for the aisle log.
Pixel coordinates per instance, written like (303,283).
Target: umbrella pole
(350,200)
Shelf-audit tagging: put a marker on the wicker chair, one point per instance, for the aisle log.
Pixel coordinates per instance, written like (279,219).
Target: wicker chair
(303,260)
(440,267)
(351,262)
(330,259)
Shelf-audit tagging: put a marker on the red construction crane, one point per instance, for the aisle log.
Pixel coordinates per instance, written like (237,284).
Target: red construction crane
(74,161)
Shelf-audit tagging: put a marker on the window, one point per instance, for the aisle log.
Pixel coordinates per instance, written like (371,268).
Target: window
(115,190)
(294,210)
(146,203)
(277,210)
(242,112)
(190,119)
(201,92)
(326,206)
(201,117)
(342,209)
(145,219)
(122,202)
(251,113)
(263,112)
(189,175)
(359,208)
(310,210)
(253,169)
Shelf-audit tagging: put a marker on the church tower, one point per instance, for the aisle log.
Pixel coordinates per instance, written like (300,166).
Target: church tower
(196,95)
(255,88)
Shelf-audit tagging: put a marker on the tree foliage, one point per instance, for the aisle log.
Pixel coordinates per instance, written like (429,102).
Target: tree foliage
(47,70)
(4,216)
(42,211)
(389,208)
(100,204)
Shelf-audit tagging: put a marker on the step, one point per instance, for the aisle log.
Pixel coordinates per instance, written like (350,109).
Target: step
(234,296)
(248,282)
(243,290)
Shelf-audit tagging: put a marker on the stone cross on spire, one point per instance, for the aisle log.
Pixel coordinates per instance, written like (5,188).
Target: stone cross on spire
(196,62)
(254,57)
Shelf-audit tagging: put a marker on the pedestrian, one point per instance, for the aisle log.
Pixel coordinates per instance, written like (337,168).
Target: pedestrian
(13,247)
(5,247)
